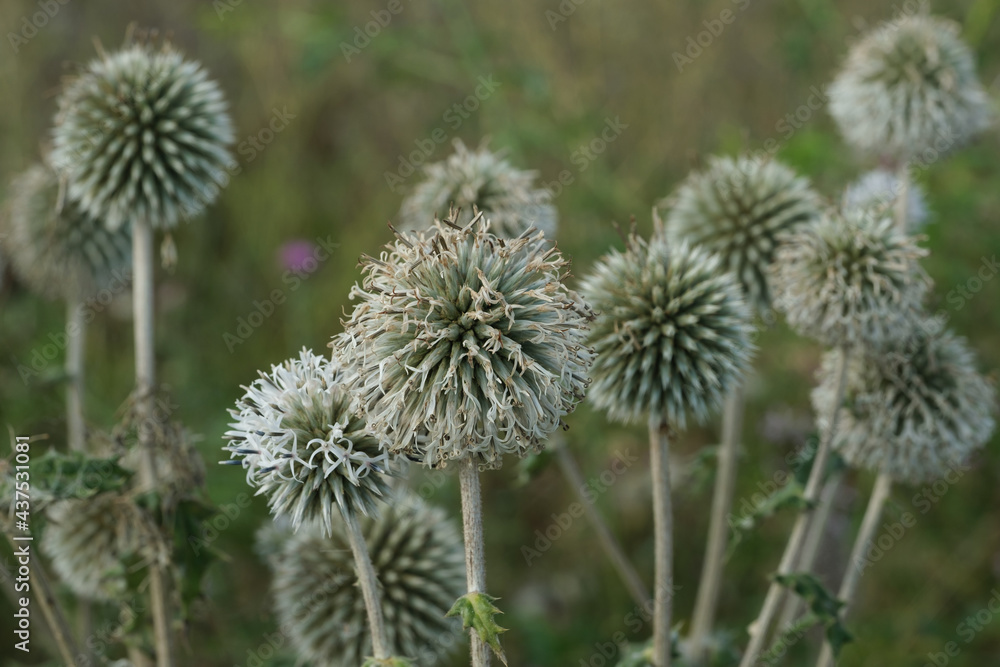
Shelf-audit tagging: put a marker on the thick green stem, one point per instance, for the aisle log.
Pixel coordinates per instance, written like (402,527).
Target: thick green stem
(368,582)
(475,550)
(659,464)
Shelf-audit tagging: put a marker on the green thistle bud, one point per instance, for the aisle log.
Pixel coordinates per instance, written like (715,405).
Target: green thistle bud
(142,133)
(299,438)
(909,87)
(420,564)
(740,210)
(484,181)
(672,334)
(466,345)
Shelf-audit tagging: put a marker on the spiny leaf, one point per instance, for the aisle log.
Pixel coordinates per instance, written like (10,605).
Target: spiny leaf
(477,611)
(791,495)
(74,475)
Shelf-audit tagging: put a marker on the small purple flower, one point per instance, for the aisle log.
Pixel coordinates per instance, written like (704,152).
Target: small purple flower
(299,256)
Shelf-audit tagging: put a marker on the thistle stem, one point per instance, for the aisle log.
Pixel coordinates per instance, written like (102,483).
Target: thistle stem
(145,379)
(369,585)
(855,567)
(475,552)
(659,464)
(758,630)
(75,343)
(718,529)
(613,550)
(902,197)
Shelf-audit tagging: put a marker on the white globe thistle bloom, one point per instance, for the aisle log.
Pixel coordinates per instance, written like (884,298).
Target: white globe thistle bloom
(914,411)
(464,344)
(740,209)
(142,133)
(879,190)
(909,87)
(850,279)
(57,249)
(299,437)
(419,561)
(479,180)
(672,335)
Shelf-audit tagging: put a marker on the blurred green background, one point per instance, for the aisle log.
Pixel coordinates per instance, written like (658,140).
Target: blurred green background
(565,71)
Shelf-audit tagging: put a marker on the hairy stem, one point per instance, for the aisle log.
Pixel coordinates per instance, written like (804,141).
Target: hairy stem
(369,586)
(659,464)
(758,630)
(475,551)
(707,601)
(856,565)
(613,550)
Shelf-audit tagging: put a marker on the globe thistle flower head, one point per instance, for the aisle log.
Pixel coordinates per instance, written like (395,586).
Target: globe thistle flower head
(909,87)
(464,344)
(672,334)
(850,279)
(479,180)
(740,209)
(914,411)
(419,559)
(142,134)
(879,190)
(298,435)
(57,249)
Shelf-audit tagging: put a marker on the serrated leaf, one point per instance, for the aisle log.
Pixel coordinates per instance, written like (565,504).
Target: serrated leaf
(792,494)
(477,611)
(822,605)
(74,475)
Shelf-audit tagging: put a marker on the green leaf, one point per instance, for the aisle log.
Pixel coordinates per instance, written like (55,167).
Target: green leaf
(792,494)
(477,611)
(823,607)
(74,475)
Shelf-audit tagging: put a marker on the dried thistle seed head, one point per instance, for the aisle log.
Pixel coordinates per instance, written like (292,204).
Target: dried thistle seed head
(479,180)
(914,411)
(143,133)
(740,210)
(879,190)
(89,542)
(466,345)
(57,249)
(419,560)
(672,334)
(850,279)
(909,87)
(299,437)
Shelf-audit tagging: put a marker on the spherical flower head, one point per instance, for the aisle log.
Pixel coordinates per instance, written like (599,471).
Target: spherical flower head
(419,560)
(740,209)
(464,344)
(479,180)
(850,279)
(672,334)
(909,87)
(299,437)
(879,190)
(56,248)
(914,411)
(143,134)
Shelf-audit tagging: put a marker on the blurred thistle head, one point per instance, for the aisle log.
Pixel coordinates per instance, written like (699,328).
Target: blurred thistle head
(740,209)
(879,190)
(142,133)
(909,87)
(465,344)
(672,334)
(850,279)
(914,411)
(299,437)
(57,249)
(91,542)
(479,180)
(418,556)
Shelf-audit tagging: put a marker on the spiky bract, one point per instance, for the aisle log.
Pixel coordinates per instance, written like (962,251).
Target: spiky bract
(419,559)
(909,87)
(485,181)
(879,190)
(850,279)
(466,345)
(298,435)
(672,334)
(143,133)
(56,248)
(740,209)
(914,411)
